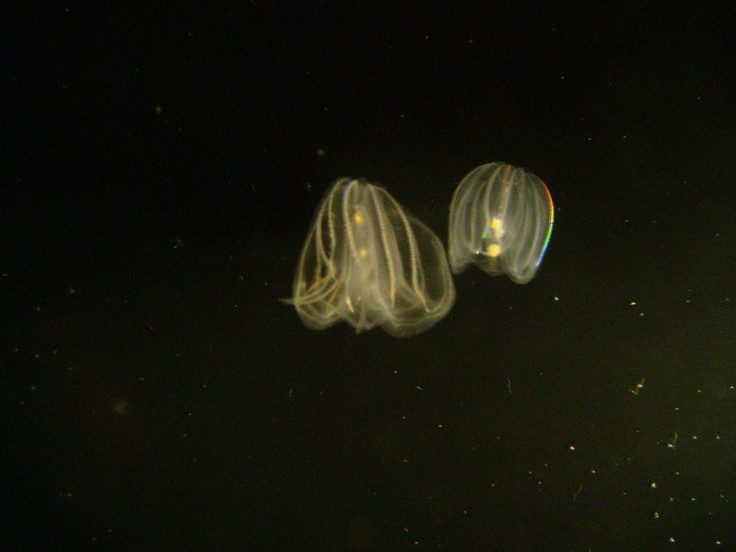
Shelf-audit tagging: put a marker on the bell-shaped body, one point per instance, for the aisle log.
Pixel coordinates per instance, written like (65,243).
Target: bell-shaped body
(369,262)
(501,220)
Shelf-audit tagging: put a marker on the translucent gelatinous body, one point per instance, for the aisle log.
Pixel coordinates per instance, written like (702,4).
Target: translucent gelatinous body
(369,262)
(500,220)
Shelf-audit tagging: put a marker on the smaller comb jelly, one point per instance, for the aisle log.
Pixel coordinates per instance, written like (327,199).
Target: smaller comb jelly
(500,220)
(369,262)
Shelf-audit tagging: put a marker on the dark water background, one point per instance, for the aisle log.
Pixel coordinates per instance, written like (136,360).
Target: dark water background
(160,171)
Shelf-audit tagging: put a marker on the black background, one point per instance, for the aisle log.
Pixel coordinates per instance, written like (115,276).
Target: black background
(160,170)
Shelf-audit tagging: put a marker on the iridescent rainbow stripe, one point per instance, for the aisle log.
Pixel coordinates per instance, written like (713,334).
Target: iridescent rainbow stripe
(550,224)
